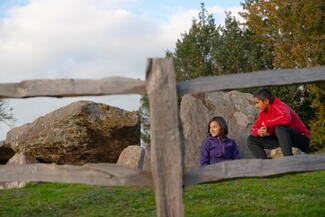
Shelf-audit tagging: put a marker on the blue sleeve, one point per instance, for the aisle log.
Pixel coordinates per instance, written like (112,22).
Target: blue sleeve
(205,154)
(235,152)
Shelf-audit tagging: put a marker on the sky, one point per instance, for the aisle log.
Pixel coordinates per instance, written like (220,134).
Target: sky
(89,39)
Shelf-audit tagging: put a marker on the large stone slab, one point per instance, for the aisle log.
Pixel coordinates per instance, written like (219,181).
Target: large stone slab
(135,157)
(196,111)
(78,133)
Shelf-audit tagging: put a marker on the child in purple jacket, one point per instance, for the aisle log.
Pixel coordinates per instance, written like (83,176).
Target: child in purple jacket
(218,147)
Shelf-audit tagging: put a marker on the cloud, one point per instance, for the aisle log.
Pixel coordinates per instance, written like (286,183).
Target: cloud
(177,24)
(220,15)
(79,39)
(83,39)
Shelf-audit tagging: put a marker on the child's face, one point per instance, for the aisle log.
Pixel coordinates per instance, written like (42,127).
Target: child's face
(262,105)
(214,128)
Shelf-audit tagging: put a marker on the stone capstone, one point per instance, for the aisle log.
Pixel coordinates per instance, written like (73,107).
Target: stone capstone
(135,157)
(81,132)
(196,111)
(18,159)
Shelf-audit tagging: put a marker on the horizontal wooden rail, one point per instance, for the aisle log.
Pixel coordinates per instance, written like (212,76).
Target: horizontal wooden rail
(72,87)
(93,174)
(114,175)
(120,85)
(255,168)
(251,79)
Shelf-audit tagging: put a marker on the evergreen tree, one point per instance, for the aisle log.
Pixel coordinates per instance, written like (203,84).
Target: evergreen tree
(192,56)
(144,121)
(235,51)
(208,49)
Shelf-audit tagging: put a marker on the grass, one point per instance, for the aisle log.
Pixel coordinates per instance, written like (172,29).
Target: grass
(291,195)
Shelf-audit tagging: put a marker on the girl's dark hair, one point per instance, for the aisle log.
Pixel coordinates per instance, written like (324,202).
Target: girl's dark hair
(263,94)
(223,126)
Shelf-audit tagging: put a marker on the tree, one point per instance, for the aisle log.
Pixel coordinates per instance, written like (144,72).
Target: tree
(144,121)
(6,115)
(317,125)
(235,51)
(192,55)
(208,49)
(294,30)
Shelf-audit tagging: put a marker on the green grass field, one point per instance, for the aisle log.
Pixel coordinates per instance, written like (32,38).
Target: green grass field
(291,195)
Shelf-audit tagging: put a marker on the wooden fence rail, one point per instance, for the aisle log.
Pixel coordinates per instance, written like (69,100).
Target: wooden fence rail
(72,87)
(246,168)
(92,174)
(252,79)
(121,85)
(167,149)
(115,175)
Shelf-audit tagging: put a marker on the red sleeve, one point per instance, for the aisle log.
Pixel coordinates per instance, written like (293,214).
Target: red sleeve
(281,116)
(257,125)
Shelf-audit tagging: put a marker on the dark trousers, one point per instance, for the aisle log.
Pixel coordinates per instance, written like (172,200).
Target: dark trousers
(285,137)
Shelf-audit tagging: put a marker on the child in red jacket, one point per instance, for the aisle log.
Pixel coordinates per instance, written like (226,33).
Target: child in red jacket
(277,125)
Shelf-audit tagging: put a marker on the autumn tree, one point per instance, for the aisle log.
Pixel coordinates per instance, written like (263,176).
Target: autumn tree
(294,30)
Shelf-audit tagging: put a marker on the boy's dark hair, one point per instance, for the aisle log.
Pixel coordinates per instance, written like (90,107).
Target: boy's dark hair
(223,126)
(263,94)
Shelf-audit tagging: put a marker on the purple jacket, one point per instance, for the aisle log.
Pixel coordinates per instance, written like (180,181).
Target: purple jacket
(215,151)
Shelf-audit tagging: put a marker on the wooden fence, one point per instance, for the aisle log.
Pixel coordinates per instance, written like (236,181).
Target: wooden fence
(167,143)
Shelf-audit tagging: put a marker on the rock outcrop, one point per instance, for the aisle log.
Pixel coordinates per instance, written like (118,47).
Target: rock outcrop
(135,157)
(238,110)
(78,133)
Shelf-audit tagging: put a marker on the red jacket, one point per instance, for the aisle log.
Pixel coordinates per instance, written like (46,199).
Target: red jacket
(279,113)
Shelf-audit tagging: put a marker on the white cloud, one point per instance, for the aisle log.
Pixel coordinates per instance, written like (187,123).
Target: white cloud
(52,39)
(220,15)
(177,24)
(82,39)
(85,39)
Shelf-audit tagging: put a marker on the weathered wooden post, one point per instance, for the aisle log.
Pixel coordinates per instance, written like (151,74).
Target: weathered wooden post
(166,154)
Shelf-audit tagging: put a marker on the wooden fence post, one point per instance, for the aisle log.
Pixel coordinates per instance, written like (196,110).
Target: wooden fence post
(166,153)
